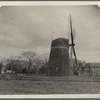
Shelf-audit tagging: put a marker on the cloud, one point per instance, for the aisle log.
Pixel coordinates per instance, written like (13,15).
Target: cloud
(30,27)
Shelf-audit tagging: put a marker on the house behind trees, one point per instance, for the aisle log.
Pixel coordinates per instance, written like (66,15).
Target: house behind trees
(89,68)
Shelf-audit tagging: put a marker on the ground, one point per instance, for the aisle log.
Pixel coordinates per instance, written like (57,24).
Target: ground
(48,87)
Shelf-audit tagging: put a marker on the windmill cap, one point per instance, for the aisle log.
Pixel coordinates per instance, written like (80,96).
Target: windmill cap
(60,42)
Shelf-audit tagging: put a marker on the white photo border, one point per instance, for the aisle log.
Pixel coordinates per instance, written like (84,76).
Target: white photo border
(50,3)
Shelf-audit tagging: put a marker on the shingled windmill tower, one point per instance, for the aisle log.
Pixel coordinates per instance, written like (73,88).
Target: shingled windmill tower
(59,61)
(59,57)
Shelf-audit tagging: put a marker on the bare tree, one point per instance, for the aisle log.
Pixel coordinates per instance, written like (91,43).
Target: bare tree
(29,57)
(6,60)
(45,58)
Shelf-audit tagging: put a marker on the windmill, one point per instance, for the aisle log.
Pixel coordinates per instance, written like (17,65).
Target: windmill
(72,49)
(59,64)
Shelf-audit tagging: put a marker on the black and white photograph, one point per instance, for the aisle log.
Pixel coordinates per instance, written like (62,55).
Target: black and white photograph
(49,49)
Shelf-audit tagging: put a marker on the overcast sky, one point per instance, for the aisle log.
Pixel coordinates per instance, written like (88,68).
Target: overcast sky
(30,28)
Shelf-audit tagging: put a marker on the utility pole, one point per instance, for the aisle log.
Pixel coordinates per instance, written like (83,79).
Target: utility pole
(52,36)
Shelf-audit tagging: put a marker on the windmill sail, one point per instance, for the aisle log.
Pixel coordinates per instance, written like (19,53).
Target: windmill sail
(72,45)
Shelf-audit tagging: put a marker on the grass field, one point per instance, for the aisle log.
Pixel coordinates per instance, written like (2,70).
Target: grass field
(48,87)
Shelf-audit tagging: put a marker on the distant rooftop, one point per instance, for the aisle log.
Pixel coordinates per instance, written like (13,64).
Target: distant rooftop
(90,65)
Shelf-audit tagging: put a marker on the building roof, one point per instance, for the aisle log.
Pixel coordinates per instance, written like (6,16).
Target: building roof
(89,65)
(93,64)
(60,42)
